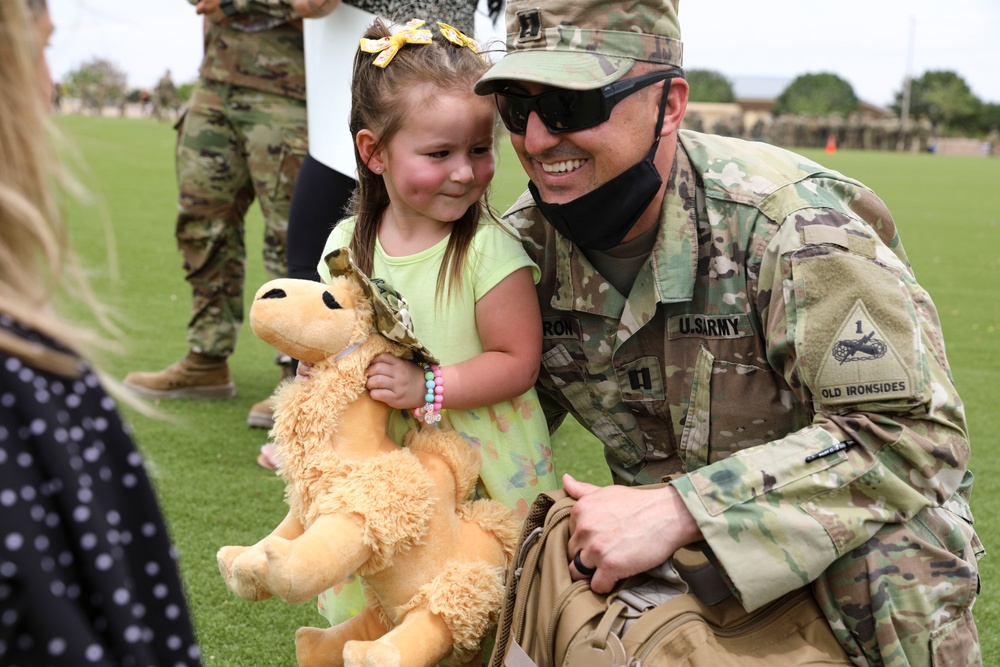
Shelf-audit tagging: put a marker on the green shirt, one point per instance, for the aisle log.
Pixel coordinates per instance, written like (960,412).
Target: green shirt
(511,436)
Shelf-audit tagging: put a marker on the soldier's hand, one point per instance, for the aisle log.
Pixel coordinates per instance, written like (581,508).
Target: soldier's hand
(620,531)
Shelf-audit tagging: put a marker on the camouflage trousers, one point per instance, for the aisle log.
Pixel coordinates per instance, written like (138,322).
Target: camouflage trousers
(235,145)
(904,598)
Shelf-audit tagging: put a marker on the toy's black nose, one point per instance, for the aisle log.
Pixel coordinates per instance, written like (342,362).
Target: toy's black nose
(274,294)
(330,302)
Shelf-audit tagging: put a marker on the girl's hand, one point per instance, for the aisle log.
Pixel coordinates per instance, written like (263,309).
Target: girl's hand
(302,370)
(396,382)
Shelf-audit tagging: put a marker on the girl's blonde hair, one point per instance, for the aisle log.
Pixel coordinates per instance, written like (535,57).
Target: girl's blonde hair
(379,105)
(36,260)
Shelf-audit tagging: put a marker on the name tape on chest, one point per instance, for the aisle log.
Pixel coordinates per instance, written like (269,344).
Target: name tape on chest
(860,365)
(555,328)
(695,325)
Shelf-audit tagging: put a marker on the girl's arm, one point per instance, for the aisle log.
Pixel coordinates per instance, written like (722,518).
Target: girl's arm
(510,327)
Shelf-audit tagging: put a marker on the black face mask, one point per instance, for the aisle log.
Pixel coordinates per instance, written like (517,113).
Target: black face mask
(600,219)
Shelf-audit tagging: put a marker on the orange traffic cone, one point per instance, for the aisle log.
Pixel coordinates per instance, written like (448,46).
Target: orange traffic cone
(831,144)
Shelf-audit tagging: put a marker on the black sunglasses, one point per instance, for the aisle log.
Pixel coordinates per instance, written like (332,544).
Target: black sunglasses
(565,110)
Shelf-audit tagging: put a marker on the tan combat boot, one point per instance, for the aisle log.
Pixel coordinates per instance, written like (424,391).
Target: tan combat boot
(194,376)
(261,414)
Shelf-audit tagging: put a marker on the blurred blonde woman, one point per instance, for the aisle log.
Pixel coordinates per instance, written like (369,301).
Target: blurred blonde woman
(87,572)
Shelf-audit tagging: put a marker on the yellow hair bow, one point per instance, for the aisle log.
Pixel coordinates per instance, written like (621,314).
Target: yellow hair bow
(387,47)
(456,37)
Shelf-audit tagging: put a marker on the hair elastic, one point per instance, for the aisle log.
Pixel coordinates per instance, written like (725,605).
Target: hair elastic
(387,47)
(457,37)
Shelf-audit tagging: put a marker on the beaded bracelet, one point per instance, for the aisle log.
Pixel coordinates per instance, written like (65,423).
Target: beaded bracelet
(430,413)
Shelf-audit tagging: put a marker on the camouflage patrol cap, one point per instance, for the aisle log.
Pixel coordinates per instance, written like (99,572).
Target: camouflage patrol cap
(391,317)
(581,44)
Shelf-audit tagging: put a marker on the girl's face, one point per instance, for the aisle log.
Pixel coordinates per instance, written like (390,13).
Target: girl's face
(441,160)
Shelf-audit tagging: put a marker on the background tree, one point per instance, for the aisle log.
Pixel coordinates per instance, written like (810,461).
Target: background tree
(989,118)
(184,91)
(945,98)
(97,84)
(709,86)
(820,94)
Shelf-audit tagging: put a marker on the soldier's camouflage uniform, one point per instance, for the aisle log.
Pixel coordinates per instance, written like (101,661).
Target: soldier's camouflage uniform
(777,348)
(242,138)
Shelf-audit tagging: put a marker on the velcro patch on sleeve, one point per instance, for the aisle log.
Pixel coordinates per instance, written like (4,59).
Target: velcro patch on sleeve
(856,332)
(820,234)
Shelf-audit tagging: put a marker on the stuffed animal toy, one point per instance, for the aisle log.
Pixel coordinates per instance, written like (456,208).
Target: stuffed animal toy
(433,561)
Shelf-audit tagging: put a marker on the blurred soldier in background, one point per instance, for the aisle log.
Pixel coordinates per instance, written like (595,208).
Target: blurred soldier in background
(165,98)
(242,138)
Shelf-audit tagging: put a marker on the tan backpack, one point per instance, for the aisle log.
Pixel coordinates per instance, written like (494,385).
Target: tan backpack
(681,615)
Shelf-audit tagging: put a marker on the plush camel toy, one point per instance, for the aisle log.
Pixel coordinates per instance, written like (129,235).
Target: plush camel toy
(432,560)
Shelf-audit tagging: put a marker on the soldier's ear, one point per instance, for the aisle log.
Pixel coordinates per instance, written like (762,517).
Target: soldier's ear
(677,100)
(368,149)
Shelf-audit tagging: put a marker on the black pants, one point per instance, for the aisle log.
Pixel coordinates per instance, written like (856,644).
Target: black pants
(319,201)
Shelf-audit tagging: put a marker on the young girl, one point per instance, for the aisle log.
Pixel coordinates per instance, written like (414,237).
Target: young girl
(424,150)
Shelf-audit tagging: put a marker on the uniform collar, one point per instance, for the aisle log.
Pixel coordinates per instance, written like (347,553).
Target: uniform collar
(674,258)
(675,255)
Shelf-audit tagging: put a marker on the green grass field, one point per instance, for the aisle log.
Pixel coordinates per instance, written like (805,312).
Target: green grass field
(204,466)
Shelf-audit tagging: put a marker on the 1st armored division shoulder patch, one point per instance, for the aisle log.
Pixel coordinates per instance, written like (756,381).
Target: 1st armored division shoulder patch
(860,365)
(856,333)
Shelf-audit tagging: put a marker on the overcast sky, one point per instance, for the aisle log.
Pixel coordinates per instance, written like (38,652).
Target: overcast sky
(870,43)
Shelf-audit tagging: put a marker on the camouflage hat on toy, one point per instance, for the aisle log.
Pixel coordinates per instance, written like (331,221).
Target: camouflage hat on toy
(392,319)
(582,44)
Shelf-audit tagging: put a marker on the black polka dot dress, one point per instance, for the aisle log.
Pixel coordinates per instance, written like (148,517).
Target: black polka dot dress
(88,575)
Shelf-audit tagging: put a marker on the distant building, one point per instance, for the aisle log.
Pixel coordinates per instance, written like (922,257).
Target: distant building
(751,114)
